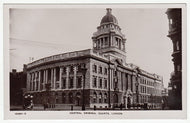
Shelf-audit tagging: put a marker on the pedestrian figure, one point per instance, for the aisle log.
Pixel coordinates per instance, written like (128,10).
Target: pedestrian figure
(121,106)
(71,107)
(94,108)
(44,106)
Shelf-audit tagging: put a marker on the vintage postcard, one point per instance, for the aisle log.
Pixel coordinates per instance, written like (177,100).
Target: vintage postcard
(95,61)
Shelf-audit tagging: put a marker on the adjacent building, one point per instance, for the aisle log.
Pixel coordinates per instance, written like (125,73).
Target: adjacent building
(17,86)
(175,85)
(94,77)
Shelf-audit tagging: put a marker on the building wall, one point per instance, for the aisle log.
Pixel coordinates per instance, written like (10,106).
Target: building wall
(119,79)
(17,87)
(175,34)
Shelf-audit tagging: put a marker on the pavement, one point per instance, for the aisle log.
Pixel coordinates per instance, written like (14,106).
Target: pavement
(64,107)
(56,108)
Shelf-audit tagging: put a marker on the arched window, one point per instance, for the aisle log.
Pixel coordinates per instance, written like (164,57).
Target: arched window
(105,98)
(70,97)
(71,82)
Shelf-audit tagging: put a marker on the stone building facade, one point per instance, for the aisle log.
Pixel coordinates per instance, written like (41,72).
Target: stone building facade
(94,77)
(175,85)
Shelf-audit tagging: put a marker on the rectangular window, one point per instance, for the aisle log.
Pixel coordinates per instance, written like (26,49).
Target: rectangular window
(106,43)
(102,42)
(105,71)
(100,70)
(57,73)
(95,68)
(64,70)
(71,83)
(79,68)
(79,82)
(115,73)
(71,69)
(49,75)
(105,83)
(100,100)
(94,81)
(63,83)
(100,82)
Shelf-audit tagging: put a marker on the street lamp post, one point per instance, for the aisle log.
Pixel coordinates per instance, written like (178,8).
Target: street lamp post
(137,92)
(83,99)
(109,102)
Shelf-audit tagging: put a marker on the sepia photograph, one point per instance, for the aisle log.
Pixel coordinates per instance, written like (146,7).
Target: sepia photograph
(79,59)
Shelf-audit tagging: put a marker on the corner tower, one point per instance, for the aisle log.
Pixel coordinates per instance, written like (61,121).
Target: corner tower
(108,39)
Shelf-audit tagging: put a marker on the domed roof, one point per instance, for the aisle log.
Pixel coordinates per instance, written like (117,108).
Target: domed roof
(109,18)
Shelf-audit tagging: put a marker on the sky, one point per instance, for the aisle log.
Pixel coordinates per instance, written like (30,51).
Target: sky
(39,33)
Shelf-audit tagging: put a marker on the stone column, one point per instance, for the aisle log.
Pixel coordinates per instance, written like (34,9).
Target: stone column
(28,81)
(123,45)
(111,80)
(123,81)
(134,81)
(100,43)
(44,81)
(97,44)
(111,40)
(60,77)
(67,77)
(120,43)
(54,78)
(35,81)
(32,74)
(94,44)
(119,80)
(52,84)
(39,80)
(75,77)
(103,42)
(46,76)
(129,81)
(108,40)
